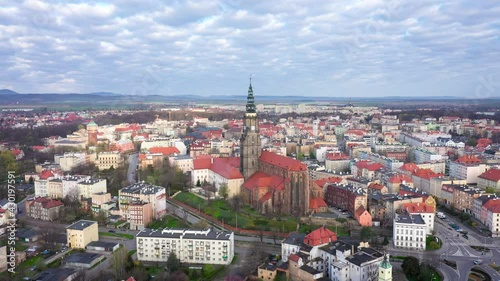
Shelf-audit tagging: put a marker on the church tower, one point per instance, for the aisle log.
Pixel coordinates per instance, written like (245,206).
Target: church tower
(250,138)
(385,269)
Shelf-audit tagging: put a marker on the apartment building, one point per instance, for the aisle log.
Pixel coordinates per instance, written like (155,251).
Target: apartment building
(81,233)
(138,214)
(490,178)
(345,196)
(44,208)
(463,197)
(427,212)
(493,216)
(90,186)
(467,167)
(409,232)
(106,160)
(206,246)
(145,193)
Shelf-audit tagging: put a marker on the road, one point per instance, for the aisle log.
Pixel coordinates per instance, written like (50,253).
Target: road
(456,248)
(132,167)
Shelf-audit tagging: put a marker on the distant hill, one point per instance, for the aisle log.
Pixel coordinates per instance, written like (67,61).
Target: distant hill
(8,92)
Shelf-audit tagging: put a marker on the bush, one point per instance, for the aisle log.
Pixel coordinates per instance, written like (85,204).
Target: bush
(341,220)
(434,245)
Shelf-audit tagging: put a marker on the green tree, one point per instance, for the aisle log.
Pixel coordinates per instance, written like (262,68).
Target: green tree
(173,263)
(223,191)
(433,245)
(120,262)
(366,233)
(198,183)
(386,241)
(490,190)
(411,267)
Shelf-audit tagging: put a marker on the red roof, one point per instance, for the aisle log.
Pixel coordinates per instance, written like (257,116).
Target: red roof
(294,257)
(491,175)
(263,180)
(399,179)
(418,208)
(47,203)
(493,205)
(468,159)
(359,211)
(131,279)
(316,203)
(203,163)
(282,161)
(330,180)
(46,174)
(337,156)
(369,165)
(377,186)
(16,151)
(225,168)
(169,150)
(266,197)
(409,167)
(2,210)
(320,236)
(426,174)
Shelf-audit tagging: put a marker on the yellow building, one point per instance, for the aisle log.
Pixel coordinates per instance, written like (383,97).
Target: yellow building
(106,160)
(81,233)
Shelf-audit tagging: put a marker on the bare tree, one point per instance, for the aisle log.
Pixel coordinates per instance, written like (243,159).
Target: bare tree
(118,261)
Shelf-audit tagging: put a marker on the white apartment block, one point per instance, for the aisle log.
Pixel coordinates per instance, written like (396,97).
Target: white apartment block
(91,186)
(424,156)
(41,188)
(191,246)
(183,162)
(146,193)
(409,232)
(469,172)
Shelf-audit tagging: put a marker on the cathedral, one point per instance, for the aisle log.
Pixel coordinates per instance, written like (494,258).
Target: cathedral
(274,184)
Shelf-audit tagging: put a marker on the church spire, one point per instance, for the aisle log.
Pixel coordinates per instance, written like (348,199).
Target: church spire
(250,100)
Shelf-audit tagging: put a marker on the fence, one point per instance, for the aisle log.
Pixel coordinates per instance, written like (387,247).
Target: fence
(236,230)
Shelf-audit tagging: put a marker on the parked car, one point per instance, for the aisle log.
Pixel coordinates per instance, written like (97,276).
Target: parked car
(112,231)
(465,236)
(478,262)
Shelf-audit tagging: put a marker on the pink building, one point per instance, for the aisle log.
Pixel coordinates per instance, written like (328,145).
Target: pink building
(363,216)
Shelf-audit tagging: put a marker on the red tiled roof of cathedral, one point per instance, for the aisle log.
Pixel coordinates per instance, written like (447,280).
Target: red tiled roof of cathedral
(282,161)
(263,180)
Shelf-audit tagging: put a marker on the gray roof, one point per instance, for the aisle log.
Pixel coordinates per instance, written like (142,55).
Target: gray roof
(360,258)
(79,257)
(81,225)
(309,270)
(141,188)
(295,239)
(102,244)
(54,274)
(176,233)
(409,219)
(91,181)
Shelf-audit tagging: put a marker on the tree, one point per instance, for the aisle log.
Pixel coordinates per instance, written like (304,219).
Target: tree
(119,262)
(139,273)
(173,263)
(223,191)
(235,203)
(198,183)
(490,190)
(411,267)
(178,276)
(386,241)
(366,233)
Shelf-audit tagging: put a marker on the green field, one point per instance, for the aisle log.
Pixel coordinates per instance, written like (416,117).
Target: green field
(119,235)
(167,222)
(246,218)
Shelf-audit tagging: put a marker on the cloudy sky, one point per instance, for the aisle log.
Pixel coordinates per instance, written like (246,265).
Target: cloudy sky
(306,48)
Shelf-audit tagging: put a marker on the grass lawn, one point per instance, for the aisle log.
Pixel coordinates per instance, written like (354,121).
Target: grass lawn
(130,253)
(246,218)
(154,270)
(20,246)
(167,222)
(121,235)
(429,239)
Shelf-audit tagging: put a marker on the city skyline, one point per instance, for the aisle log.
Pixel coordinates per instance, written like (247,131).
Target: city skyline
(364,48)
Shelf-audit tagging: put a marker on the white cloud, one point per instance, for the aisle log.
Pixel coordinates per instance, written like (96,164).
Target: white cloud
(294,47)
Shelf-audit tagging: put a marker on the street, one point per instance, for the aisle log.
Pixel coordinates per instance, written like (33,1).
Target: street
(132,167)
(458,249)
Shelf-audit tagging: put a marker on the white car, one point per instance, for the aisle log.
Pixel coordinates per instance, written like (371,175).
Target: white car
(477,262)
